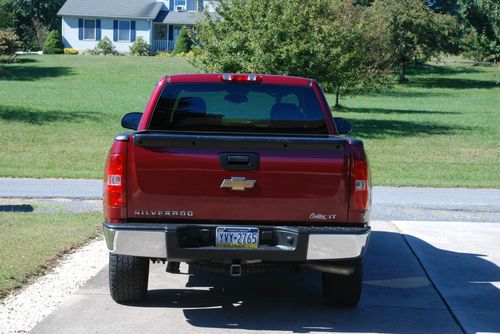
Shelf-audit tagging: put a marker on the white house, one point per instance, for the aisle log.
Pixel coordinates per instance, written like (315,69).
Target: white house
(85,22)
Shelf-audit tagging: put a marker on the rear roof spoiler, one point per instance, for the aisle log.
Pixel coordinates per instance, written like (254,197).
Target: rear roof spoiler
(292,143)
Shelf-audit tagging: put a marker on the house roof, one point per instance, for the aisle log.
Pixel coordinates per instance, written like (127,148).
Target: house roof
(144,9)
(189,18)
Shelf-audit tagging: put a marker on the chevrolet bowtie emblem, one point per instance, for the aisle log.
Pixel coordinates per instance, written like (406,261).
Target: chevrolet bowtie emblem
(237,183)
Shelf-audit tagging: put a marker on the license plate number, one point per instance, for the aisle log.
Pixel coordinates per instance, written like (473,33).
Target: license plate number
(237,237)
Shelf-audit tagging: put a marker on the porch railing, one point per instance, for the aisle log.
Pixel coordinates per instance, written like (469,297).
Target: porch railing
(162,45)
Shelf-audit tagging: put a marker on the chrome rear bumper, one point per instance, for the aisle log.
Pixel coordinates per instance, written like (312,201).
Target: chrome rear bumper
(310,243)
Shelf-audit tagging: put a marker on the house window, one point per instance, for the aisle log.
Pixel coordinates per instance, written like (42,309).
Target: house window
(89,30)
(180,5)
(124,31)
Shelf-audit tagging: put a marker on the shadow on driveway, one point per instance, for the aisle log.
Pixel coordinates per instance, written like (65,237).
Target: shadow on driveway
(397,298)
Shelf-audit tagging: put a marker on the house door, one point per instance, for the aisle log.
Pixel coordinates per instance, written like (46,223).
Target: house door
(177,30)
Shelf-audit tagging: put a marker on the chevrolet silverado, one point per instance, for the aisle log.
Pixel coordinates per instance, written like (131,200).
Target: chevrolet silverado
(237,173)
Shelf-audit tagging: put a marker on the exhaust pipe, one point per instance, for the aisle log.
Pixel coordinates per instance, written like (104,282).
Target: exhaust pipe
(330,268)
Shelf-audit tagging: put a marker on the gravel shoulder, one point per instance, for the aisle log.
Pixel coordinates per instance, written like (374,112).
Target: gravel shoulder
(50,205)
(22,310)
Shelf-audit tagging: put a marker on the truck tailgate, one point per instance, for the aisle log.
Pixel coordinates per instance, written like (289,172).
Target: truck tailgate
(179,177)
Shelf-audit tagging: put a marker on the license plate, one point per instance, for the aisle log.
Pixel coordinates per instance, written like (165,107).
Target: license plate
(237,237)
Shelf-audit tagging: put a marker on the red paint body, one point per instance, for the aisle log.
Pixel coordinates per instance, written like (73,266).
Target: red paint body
(291,185)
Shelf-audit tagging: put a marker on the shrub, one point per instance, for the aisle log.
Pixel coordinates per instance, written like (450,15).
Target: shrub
(183,43)
(190,54)
(140,47)
(163,54)
(70,51)
(104,47)
(9,44)
(480,48)
(53,44)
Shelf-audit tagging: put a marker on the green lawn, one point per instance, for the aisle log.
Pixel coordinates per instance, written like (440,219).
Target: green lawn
(441,129)
(58,115)
(30,241)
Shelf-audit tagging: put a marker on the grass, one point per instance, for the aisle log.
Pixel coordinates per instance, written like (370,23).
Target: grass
(441,129)
(58,115)
(29,242)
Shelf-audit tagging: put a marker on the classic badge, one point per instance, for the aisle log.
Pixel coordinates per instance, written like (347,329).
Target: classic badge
(321,216)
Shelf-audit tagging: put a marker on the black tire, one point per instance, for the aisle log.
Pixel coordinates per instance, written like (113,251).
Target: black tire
(128,278)
(344,290)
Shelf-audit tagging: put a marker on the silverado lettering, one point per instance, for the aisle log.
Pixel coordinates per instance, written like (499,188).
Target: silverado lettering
(237,172)
(163,213)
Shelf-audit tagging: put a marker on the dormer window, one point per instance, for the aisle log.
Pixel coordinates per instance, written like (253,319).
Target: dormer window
(180,5)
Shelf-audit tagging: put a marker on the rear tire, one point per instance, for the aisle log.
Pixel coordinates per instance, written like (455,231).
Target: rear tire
(128,278)
(344,290)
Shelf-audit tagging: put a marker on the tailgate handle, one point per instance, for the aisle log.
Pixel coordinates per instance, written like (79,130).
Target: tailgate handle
(239,161)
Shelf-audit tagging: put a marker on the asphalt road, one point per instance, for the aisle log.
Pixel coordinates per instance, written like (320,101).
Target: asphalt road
(416,281)
(389,203)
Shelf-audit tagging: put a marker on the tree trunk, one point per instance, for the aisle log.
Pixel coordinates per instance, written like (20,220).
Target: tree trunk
(402,77)
(337,94)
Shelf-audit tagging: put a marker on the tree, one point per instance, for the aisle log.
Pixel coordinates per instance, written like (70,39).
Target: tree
(351,51)
(53,44)
(41,33)
(331,40)
(480,22)
(183,43)
(23,12)
(438,6)
(415,32)
(5,18)
(482,15)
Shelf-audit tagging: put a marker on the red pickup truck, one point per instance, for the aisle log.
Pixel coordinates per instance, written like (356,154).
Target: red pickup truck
(237,173)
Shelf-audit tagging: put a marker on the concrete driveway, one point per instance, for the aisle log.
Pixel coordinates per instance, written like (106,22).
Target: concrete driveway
(420,277)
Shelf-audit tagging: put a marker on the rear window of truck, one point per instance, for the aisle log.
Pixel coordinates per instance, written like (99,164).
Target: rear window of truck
(238,107)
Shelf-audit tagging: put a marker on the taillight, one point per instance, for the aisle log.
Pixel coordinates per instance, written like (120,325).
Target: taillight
(240,77)
(115,180)
(115,192)
(360,184)
(361,193)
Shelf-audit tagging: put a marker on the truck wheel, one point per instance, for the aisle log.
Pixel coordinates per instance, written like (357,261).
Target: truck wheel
(128,277)
(344,290)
